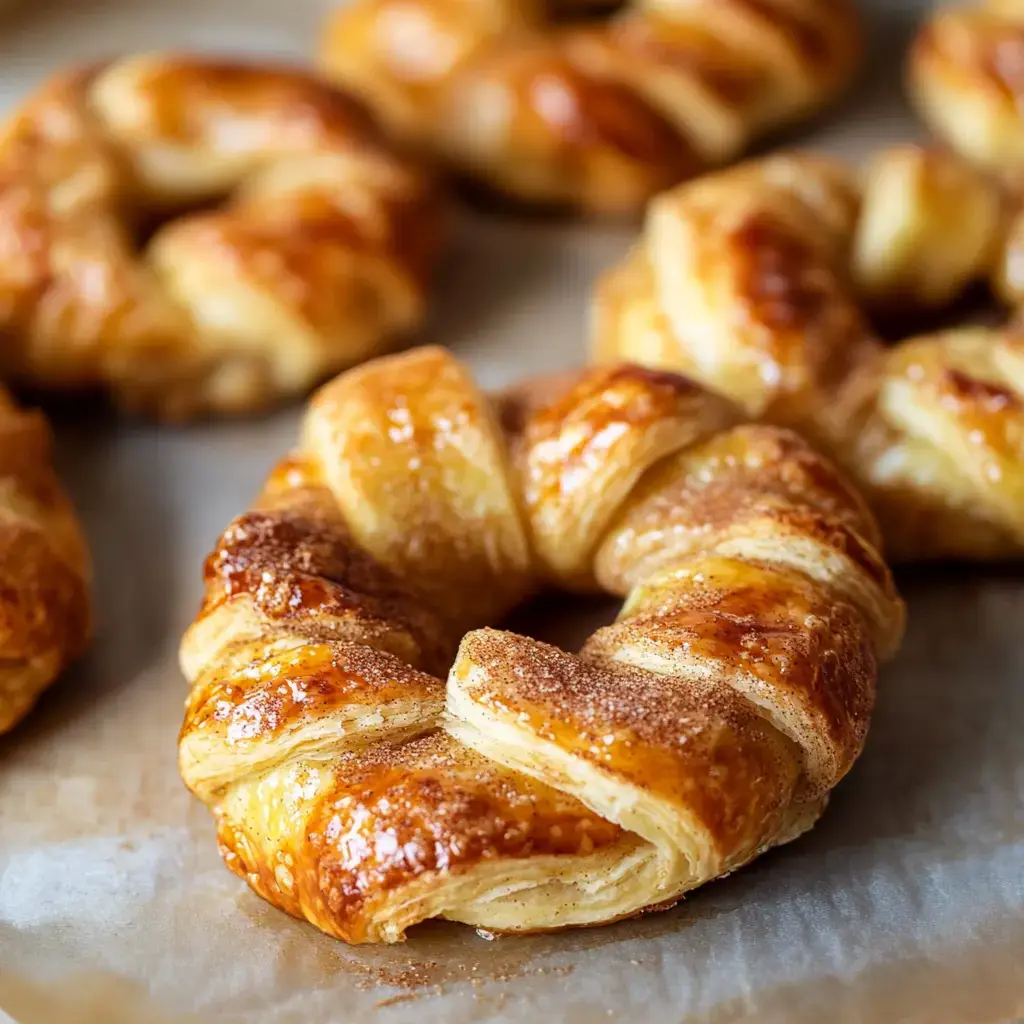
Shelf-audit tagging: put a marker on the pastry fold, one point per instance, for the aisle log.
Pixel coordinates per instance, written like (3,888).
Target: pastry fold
(45,571)
(761,282)
(595,115)
(963,80)
(318,257)
(534,789)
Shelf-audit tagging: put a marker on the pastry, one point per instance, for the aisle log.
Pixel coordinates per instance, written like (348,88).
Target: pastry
(318,258)
(758,283)
(536,789)
(964,79)
(593,115)
(45,615)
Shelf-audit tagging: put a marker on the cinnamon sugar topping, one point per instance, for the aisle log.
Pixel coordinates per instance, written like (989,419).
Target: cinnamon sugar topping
(731,691)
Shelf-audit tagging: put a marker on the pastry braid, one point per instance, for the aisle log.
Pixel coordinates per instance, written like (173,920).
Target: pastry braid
(597,116)
(44,567)
(318,259)
(537,789)
(965,80)
(755,282)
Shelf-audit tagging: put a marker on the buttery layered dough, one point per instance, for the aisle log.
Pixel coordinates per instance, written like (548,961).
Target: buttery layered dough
(758,281)
(965,81)
(596,115)
(318,258)
(45,608)
(535,789)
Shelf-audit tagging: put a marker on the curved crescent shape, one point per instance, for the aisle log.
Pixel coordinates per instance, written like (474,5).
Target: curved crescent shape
(319,258)
(964,79)
(536,789)
(45,604)
(757,282)
(595,115)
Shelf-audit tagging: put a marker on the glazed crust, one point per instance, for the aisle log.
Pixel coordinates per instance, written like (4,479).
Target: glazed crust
(759,281)
(964,79)
(319,257)
(595,115)
(535,789)
(45,607)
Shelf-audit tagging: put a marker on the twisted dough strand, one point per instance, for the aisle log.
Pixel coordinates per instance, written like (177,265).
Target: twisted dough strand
(537,789)
(45,615)
(320,256)
(964,79)
(756,282)
(596,116)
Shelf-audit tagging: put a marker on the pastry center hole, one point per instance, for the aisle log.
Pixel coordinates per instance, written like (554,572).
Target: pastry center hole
(145,223)
(563,620)
(899,322)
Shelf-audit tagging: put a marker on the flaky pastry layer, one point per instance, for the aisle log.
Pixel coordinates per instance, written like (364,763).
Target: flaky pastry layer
(596,115)
(318,257)
(535,789)
(45,572)
(761,283)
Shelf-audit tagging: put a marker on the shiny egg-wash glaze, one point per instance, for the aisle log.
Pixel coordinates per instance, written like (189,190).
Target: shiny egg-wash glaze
(319,258)
(45,603)
(595,115)
(965,80)
(758,282)
(535,789)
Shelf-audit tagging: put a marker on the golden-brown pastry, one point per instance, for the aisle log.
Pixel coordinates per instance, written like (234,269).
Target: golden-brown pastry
(965,80)
(45,615)
(318,258)
(536,789)
(756,282)
(596,115)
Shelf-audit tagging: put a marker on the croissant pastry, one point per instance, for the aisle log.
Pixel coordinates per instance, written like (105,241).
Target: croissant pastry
(593,115)
(319,257)
(45,611)
(535,789)
(965,81)
(758,281)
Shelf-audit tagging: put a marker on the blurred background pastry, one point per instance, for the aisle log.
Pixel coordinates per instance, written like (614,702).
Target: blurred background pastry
(597,115)
(320,254)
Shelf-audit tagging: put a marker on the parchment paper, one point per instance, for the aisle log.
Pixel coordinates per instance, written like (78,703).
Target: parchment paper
(905,904)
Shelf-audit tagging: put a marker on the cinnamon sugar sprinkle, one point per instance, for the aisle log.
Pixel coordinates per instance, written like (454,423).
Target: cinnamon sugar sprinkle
(421,979)
(443,807)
